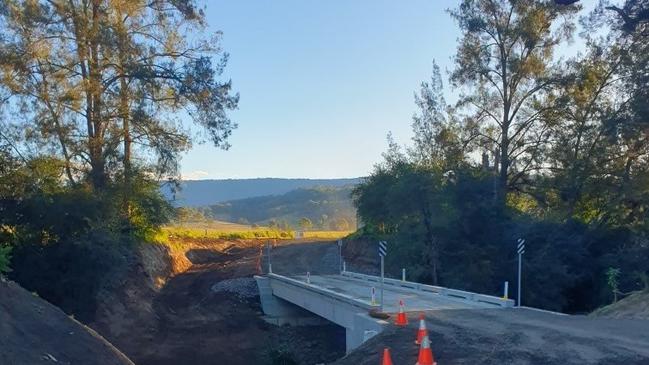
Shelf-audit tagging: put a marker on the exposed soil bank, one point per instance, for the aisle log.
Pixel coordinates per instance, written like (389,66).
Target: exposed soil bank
(199,305)
(32,331)
(635,306)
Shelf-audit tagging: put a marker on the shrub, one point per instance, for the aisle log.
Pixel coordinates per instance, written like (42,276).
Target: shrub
(281,356)
(5,257)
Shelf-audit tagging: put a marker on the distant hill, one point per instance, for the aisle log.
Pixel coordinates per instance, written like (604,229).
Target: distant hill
(325,207)
(197,193)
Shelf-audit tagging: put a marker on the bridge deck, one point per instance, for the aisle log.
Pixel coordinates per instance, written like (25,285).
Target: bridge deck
(414,300)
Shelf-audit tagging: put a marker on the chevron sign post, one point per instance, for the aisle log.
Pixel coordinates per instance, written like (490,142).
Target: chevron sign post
(383,251)
(521,250)
(383,248)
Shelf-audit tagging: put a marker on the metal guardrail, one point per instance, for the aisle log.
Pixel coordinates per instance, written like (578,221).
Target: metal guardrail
(324,291)
(455,293)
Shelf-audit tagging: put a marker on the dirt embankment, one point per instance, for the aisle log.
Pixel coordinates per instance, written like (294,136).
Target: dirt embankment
(361,256)
(635,306)
(197,303)
(32,331)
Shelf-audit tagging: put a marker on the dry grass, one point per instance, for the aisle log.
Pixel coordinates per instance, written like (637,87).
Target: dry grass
(334,235)
(174,235)
(220,226)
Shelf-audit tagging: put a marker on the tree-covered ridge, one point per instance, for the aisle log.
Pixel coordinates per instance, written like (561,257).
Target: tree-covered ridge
(553,151)
(200,193)
(319,208)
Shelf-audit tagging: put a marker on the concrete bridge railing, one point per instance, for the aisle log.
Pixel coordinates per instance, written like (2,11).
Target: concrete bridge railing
(453,293)
(325,292)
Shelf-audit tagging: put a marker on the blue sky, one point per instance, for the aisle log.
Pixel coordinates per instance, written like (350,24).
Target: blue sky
(322,82)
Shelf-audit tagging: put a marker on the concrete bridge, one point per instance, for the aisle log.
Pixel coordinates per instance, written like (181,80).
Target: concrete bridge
(346,300)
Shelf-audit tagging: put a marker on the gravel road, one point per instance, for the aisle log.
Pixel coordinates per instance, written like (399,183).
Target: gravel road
(513,336)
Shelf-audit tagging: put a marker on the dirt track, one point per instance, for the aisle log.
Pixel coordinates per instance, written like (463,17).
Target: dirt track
(513,336)
(196,325)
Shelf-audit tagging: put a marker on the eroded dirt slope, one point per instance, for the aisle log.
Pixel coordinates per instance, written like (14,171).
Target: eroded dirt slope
(32,331)
(210,313)
(635,306)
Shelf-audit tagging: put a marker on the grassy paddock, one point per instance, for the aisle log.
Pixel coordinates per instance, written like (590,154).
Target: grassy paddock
(326,234)
(171,232)
(230,231)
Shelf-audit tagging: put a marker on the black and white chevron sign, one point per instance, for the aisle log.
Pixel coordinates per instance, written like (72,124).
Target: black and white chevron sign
(383,248)
(521,246)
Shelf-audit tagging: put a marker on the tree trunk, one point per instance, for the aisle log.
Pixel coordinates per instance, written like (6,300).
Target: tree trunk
(58,129)
(433,247)
(87,39)
(97,159)
(504,168)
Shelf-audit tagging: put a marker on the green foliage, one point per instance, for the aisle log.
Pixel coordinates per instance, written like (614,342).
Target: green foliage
(70,242)
(91,95)
(451,231)
(436,139)
(281,356)
(565,156)
(5,257)
(505,64)
(127,73)
(184,215)
(305,223)
(612,280)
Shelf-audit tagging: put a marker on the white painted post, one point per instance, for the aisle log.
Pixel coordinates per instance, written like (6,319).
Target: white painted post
(344,266)
(308,277)
(506,291)
(382,279)
(340,255)
(520,260)
(373,292)
(403,274)
(270,265)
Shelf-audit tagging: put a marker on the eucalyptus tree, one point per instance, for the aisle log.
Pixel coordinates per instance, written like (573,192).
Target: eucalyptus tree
(110,82)
(504,63)
(436,136)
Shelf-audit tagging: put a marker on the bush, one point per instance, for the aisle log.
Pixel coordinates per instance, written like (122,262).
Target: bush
(281,356)
(455,234)
(5,256)
(72,272)
(69,243)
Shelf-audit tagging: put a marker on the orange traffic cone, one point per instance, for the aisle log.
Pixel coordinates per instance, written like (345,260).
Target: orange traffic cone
(425,353)
(421,332)
(402,320)
(387,360)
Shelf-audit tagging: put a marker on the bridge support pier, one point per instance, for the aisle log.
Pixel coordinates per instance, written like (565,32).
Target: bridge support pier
(318,309)
(363,328)
(280,312)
